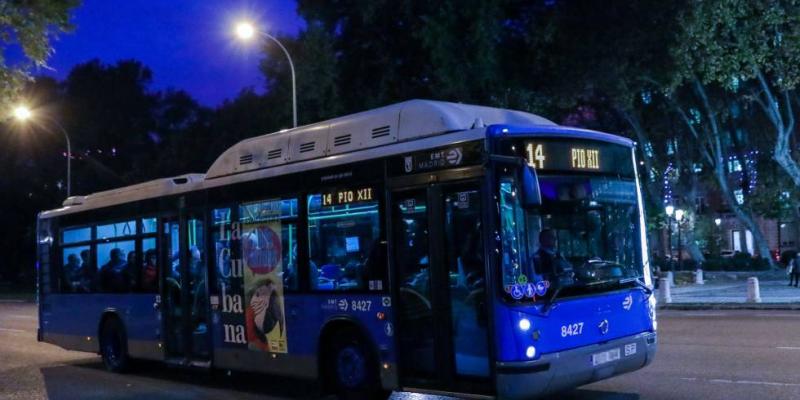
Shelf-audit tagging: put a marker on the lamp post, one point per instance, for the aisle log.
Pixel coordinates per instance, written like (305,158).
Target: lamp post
(23,114)
(718,238)
(246,31)
(670,209)
(679,218)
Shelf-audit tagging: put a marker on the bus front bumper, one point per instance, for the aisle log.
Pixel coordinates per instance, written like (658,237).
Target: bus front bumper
(568,369)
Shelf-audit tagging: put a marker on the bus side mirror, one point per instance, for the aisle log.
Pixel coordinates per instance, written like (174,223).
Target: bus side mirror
(531,196)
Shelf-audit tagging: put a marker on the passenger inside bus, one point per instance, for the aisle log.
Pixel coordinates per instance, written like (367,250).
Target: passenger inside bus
(549,260)
(72,273)
(115,275)
(149,277)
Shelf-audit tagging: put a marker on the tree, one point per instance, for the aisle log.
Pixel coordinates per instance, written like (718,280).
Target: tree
(730,42)
(109,111)
(30,25)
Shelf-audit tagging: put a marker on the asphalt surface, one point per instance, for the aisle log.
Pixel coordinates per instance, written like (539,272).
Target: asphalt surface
(702,355)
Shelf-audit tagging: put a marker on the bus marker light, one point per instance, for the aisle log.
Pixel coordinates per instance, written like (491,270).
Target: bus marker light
(381,315)
(524,324)
(530,352)
(385,365)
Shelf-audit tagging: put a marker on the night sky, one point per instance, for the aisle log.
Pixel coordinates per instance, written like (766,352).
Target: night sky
(187,43)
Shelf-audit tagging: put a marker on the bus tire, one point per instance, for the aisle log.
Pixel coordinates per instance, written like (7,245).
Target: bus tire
(114,346)
(351,369)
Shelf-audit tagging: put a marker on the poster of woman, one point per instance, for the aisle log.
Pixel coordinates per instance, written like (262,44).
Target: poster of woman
(264,308)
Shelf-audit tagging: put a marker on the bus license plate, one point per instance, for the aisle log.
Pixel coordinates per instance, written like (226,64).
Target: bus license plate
(605,357)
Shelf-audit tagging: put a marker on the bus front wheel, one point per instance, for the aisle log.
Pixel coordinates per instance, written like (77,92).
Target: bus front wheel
(114,346)
(351,368)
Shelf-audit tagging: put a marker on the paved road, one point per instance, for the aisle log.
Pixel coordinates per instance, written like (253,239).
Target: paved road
(702,355)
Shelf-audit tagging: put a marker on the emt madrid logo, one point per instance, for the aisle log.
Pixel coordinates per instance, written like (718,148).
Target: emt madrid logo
(627,303)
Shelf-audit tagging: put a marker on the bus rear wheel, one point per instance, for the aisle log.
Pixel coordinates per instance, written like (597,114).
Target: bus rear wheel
(114,346)
(351,368)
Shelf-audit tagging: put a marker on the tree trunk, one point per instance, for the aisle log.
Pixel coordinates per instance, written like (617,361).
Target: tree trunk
(716,158)
(690,244)
(689,239)
(787,163)
(651,187)
(743,215)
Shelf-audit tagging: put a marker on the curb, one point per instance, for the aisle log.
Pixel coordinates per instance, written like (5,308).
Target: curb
(729,306)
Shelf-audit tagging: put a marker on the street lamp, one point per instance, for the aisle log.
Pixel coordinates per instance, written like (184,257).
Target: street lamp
(23,114)
(245,31)
(717,235)
(669,209)
(679,217)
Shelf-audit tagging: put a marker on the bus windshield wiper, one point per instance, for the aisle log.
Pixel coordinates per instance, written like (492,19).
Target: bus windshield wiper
(548,305)
(647,290)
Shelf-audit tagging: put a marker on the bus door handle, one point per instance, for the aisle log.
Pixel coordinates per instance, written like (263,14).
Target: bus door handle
(157,303)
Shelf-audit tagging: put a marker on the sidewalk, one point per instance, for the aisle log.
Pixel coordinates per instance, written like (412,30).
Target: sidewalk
(775,294)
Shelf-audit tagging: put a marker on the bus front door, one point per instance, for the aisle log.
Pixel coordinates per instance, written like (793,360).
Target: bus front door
(184,291)
(440,287)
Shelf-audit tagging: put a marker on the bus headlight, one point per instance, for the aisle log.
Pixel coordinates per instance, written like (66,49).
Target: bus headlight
(530,352)
(524,324)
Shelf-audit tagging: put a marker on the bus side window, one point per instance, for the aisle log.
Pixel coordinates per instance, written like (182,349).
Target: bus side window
(77,272)
(344,245)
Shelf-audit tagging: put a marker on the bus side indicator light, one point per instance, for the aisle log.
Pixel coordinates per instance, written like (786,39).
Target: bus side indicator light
(381,316)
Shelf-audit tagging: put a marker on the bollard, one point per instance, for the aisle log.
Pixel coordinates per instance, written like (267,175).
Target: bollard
(671,279)
(698,277)
(753,292)
(664,295)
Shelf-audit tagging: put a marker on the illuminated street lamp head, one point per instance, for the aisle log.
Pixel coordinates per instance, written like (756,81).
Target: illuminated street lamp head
(679,215)
(717,221)
(245,30)
(669,209)
(22,113)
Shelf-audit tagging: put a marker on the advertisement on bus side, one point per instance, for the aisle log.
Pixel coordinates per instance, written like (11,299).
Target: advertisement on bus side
(263,286)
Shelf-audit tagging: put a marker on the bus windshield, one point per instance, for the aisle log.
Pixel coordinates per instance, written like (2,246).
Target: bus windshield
(583,238)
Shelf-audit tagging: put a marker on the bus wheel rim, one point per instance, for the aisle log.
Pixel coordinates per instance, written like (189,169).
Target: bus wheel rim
(111,348)
(351,367)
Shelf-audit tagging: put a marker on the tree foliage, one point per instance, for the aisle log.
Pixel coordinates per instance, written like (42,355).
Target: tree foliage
(29,25)
(701,85)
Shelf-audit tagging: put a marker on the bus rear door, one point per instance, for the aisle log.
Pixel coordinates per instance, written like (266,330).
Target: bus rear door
(184,290)
(440,288)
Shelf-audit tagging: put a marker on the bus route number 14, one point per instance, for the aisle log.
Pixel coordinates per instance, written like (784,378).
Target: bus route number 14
(535,155)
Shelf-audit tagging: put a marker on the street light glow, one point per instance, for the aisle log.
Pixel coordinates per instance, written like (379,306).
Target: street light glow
(22,112)
(245,30)
(717,221)
(679,214)
(669,209)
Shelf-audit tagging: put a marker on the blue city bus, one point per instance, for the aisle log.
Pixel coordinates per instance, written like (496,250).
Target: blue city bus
(424,246)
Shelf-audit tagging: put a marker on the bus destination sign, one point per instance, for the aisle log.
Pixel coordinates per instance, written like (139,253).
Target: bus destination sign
(347,196)
(546,155)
